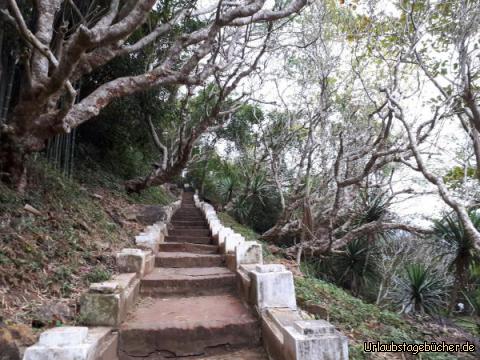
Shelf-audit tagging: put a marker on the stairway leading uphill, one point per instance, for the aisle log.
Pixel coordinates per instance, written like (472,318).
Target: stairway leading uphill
(189,306)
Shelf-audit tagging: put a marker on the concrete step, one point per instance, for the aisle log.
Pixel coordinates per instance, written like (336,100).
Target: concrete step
(180,327)
(189,232)
(188,211)
(188,282)
(188,218)
(190,239)
(201,221)
(188,260)
(182,226)
(186,247)
(244,354)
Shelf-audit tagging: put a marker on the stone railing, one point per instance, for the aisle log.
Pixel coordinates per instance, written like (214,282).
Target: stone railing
(105,305)
(270,289)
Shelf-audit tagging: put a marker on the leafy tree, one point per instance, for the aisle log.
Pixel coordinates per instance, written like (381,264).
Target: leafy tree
(193,45)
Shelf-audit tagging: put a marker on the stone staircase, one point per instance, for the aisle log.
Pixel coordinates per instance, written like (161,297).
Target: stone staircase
(188,304)
(192,288)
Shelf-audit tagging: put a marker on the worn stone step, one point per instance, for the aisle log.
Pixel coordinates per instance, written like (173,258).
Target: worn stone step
(188,282)
(189,232)
(257,353)
(177,226)
(181,223)
(186,247)
(190,239)
(180,327)
(188,260)
(184,210)
(188,218)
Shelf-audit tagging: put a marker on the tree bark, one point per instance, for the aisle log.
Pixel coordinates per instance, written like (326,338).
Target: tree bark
(12,161)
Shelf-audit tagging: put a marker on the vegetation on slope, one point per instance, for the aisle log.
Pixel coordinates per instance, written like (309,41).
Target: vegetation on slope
(358,320)
(47,259)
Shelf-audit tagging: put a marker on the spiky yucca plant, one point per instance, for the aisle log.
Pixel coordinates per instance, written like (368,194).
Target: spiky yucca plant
(356,265)
(459,248)
(420,290)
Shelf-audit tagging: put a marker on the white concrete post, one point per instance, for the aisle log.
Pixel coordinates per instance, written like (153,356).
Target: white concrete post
(68,343)
(137,261)
(273,286)
(314,340)
(222,235)
(248,252)
(231,242)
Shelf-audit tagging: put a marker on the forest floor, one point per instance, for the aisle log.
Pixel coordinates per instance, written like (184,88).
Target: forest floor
(361,321)
(57,238)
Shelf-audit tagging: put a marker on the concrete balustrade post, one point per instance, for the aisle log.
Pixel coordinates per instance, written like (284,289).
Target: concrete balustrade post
(136,261)
(273,287)
(231,242)
(73,343)
(247,253)
(314,340)
(222,235)
(107,303)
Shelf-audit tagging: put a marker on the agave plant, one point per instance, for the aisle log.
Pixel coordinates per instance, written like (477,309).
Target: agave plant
(241,209)
(226,186)
(420,290)
(356,265)
(374,207)
(459,249)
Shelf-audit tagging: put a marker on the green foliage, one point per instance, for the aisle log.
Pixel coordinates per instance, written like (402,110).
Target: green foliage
(460,252)
(355,267)
(374,206)
(362,321)
(420,290)
(456,175)
(238,129)
(98,274)
(456,242)
(93,174)
(250,198)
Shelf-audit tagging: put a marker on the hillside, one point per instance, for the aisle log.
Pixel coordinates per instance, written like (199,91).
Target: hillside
(48,258)
(65,240)
(361,321)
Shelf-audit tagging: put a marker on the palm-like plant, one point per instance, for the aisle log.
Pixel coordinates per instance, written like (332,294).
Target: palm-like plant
(420,290)
(356,265)
(226,186)
(374,207)
(460,249)
(241,209)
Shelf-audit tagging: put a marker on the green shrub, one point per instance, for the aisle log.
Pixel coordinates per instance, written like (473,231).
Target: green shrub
(98,274)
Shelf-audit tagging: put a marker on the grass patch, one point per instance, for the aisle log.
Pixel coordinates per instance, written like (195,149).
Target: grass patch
(98,274)
(243,230)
